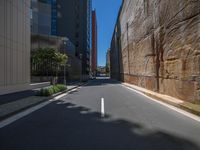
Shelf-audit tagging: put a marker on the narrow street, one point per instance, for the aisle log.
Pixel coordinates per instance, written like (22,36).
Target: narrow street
(74,122)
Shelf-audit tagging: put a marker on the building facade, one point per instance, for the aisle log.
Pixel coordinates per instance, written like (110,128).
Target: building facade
(47,33)
(94,44)
(54,15)
(44,17)
(156,46)
(74,22)
(65,18)
(41,17)
(14,45)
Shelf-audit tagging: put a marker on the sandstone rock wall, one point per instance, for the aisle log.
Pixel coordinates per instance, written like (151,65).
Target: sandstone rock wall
(158,45)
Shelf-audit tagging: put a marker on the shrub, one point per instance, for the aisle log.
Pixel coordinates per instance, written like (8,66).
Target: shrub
(55,89)
(61,87)
(52,90)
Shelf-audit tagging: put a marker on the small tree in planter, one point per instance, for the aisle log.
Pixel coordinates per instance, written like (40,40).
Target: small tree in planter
(61,61)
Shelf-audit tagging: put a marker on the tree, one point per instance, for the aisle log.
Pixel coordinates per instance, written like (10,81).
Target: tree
(62,61)
(42,60)
(47,62)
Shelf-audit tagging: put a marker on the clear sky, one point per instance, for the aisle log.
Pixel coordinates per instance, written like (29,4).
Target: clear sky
(107,11)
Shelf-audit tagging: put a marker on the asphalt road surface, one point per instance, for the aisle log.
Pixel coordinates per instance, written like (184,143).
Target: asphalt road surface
(75,122)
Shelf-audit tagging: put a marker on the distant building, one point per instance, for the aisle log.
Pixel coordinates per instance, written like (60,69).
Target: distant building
(14,45)
(74,22)
(94,44)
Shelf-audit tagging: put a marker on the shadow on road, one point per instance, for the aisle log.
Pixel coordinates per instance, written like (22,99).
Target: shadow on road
(77,128)
(6,98)
(102,81)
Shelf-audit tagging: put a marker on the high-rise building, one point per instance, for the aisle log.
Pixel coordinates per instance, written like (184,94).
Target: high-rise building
(14,45)
(74,22)
(65,18)
(41,17)
(94,44)
(54,17)
(44,17)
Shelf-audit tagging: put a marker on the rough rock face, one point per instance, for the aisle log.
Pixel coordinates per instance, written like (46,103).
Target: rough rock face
(156,45)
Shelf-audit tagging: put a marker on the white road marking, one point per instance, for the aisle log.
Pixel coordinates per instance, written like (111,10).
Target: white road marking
(183,112)
(102,108)
(59,96)
(29,111)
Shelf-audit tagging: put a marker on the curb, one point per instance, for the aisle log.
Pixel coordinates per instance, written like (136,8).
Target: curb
(32,105)
(158,98)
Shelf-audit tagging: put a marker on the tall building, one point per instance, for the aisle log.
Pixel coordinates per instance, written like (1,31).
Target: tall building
(74,22)
(44,17)
(65,18)
(41,17)
(14,45)
(94,44)
(54,17)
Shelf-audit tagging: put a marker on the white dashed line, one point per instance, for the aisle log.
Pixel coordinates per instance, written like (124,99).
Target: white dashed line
(102,108)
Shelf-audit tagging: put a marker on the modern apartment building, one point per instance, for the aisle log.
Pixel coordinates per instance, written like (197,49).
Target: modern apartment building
(14,45)
(74,22)
(94,44)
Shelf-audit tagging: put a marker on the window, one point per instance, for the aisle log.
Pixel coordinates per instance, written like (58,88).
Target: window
(77,35)
(77,44)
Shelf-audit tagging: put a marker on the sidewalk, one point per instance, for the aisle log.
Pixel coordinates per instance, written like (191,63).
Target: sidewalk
(13,103)
(187,106)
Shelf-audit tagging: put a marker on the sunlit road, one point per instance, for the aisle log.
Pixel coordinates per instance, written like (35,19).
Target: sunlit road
(74,122)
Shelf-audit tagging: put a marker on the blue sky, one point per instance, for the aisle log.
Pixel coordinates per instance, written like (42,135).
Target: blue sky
(107,11)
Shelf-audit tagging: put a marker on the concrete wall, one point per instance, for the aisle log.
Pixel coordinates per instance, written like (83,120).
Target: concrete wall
(14,45)
(159,46)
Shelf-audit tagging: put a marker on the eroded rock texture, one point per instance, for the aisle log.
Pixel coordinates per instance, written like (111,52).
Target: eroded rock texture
(156,45)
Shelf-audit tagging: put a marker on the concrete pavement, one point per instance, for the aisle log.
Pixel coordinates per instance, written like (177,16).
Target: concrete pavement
(187,106)
(11,104)
(74,122)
